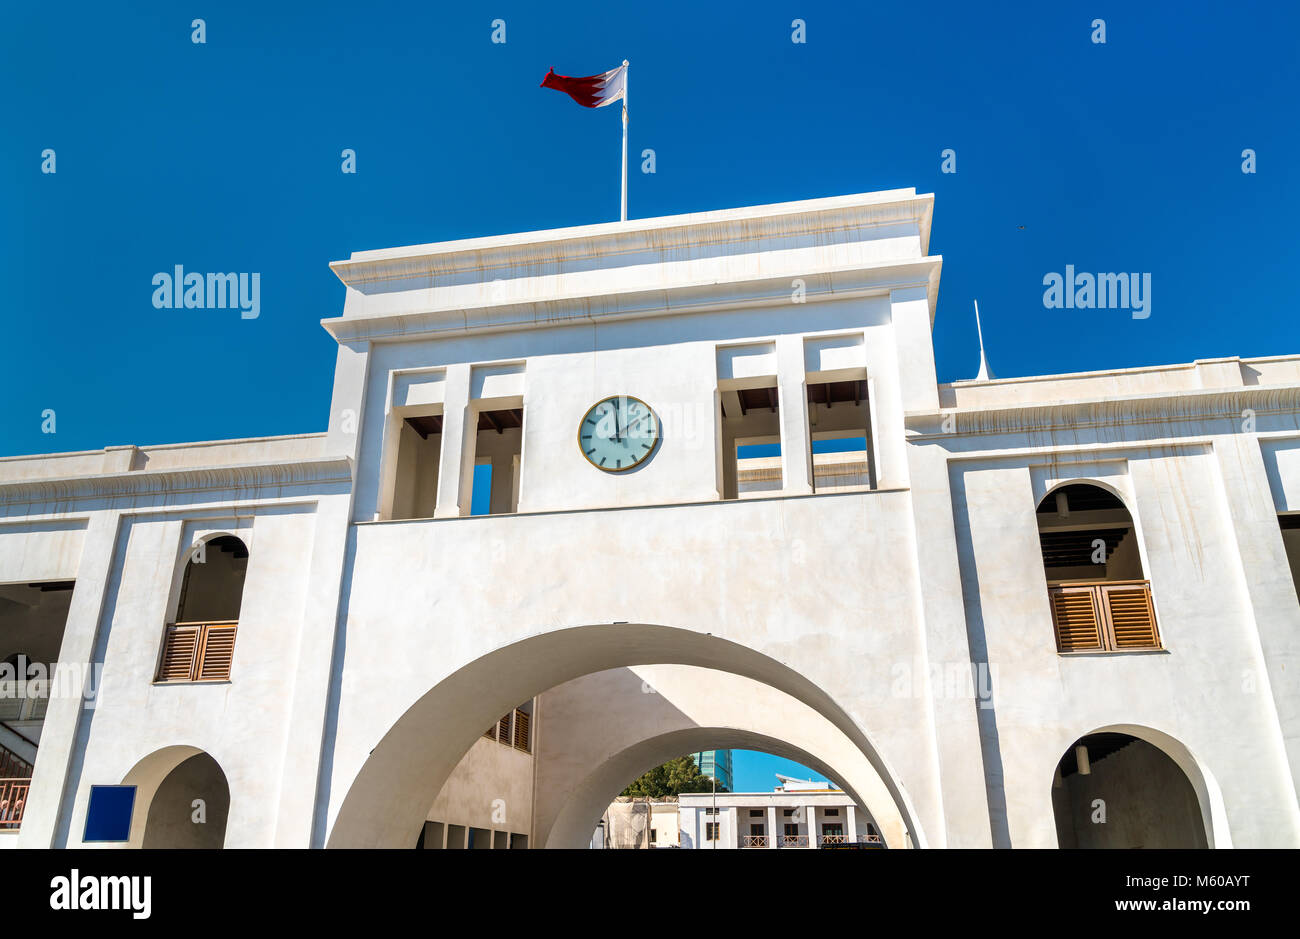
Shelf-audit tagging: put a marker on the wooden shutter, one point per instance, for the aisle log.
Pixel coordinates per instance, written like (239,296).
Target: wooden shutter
(521,730)
(180,645)
(218,651)
(503,729)
(197,652)
(1077,619)
(1131,618)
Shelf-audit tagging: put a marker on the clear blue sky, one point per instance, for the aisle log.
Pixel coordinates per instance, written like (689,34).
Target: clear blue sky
(226,157)
(752,771)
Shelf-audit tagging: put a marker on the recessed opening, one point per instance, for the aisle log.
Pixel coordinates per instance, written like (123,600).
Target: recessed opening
(1113,790)
(751,441)
(200,644)
(1100,598)
(498,445)
(1086,533)
(419,452)
(839,431)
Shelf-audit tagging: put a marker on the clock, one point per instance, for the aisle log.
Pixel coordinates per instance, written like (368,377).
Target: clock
(618,433)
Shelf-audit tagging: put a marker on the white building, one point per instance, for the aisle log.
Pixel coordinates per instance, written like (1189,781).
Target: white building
(312,634)
(797,814)
(638,823)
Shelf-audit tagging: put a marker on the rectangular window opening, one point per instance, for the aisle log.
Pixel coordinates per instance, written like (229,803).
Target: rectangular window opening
(415,475)
(839,430)
(498,445)
(751,441)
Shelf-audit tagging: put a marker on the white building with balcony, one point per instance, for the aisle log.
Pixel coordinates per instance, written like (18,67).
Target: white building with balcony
(727,505)
(797,814)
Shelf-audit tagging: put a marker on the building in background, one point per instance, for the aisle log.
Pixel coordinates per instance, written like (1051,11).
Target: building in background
(638,823)
(796,814)
(715,764)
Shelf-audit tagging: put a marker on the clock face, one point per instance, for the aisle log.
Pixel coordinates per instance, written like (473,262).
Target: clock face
(618,433)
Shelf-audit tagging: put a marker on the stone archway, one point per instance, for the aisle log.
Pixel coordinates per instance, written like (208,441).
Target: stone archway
(1135,787)
(608,724)
(169,782)
(389,795)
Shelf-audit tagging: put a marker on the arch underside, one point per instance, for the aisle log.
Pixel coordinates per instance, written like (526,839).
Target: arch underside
(395,784)
(607,728)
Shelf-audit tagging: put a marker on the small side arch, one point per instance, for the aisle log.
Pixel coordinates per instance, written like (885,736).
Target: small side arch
(1210,811)
(169,782)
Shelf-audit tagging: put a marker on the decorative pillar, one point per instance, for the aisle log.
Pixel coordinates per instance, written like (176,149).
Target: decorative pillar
(792,391)
(456,462)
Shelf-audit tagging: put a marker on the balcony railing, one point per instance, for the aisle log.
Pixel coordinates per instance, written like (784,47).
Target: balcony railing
(198,651)
(753,841)
(833,839)
(13,799)
(1104,616)
(12,765)
(794,841)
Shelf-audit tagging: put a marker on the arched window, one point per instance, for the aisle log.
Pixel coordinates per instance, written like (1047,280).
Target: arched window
(1101,601)
(200,644)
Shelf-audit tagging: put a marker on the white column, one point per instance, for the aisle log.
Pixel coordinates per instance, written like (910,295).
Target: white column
(909,310)
(811,814)
(796,455)
(771,827)
(851,824)
(733,821)
(300,821)
(52,775)
(456,463)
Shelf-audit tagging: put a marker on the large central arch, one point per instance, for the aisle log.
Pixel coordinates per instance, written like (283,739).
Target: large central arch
(391,792)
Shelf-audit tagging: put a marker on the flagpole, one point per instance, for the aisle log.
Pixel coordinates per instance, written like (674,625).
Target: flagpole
(623,207)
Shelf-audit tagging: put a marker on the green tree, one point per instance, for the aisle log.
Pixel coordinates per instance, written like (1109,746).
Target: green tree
(671,779)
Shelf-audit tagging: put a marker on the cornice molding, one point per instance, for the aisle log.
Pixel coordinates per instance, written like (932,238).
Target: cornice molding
(1160,408)
(482,256)
(835,283)
(316,471)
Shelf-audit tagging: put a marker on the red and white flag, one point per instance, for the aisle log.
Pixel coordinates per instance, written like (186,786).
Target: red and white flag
(591,91)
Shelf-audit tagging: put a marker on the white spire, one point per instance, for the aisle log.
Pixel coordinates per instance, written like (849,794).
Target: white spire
(984,373)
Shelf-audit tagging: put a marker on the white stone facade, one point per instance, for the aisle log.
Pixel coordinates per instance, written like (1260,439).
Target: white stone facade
(837,608)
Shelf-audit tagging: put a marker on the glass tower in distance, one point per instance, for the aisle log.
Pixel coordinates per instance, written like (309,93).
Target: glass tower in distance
(716,763)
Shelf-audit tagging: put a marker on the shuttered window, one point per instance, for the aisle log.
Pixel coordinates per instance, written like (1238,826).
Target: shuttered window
(1078,625)
(179,648)
(1104,617)
(216,652)
(1129,614)
(521,730)
(197,652)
